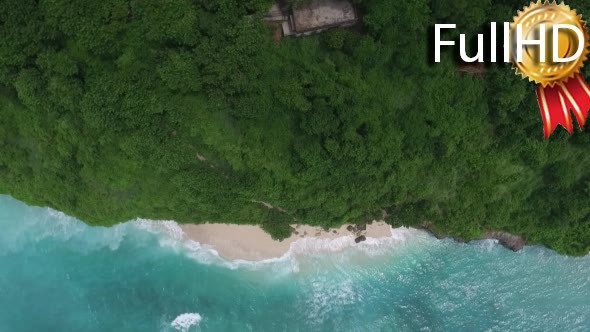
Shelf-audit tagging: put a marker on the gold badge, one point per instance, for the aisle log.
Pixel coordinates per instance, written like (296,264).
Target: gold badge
(538,21)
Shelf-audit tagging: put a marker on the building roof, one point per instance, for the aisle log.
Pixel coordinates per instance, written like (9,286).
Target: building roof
(275,13)
(321,14)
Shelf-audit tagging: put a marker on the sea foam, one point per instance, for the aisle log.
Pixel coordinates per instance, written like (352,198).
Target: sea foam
(184,322)
(35,225)
(171,235)
(43,223)
(419,283)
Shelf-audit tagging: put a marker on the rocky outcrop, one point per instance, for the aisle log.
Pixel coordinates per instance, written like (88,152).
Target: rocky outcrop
(360,239)
(510,241)
(359,231)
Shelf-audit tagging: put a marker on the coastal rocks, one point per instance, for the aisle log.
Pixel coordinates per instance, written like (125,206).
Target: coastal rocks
(356,228)
(510,241)
(360,239)
(294,230)
(359,231)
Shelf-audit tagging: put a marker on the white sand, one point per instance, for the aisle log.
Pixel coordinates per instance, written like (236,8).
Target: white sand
(253,244)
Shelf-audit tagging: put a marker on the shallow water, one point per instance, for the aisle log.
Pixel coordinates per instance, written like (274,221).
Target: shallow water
(57,274)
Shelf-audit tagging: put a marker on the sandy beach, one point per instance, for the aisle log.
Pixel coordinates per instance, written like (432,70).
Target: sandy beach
(251,243)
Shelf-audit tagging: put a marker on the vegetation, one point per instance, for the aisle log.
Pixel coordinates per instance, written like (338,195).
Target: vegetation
(189,110)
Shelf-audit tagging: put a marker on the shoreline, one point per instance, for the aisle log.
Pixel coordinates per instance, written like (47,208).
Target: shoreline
(252,243)
(508,240)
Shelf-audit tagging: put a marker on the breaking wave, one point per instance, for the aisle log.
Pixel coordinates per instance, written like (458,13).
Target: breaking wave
(171,235)
(185,321)
(146,275)
(39,224)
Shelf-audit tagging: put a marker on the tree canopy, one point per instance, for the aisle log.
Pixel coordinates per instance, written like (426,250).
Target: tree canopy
(189,110)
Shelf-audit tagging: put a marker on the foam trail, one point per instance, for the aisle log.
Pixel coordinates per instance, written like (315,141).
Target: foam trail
(184,322)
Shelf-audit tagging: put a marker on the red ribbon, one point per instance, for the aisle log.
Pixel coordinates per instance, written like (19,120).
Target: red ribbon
(557,101)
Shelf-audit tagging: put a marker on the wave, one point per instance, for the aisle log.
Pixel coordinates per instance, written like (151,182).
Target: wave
(171,235)
(29,225)
(184,321)
(372,246)
(23,225)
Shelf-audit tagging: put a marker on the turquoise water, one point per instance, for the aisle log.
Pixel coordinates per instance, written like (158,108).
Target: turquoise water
(57,274)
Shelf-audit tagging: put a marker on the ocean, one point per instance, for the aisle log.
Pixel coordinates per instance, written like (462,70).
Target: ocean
(58,274)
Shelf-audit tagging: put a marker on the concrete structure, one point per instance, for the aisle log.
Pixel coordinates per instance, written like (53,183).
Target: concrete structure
(317,16)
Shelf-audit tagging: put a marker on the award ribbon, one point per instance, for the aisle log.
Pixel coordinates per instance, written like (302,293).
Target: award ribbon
(561,86)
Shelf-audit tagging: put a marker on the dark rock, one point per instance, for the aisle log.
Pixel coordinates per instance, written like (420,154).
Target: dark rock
(360,239)
(361,227)
(350,228)
(510,241)
(335,232)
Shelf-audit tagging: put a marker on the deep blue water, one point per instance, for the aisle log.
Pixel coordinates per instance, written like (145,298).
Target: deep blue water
(57,274)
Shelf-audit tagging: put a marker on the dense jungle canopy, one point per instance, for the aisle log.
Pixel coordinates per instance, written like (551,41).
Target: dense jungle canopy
(190,110)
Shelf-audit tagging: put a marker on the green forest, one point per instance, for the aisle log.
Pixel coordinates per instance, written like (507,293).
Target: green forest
(190,110)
